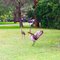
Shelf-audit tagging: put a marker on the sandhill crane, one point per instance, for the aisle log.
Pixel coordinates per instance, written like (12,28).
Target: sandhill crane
(35,36)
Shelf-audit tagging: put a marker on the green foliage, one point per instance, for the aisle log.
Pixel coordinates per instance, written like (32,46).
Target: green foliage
(6,16)
(30,13)
(48,12)
(5,10)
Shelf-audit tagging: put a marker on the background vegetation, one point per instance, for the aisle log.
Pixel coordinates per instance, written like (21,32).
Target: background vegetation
(47,11)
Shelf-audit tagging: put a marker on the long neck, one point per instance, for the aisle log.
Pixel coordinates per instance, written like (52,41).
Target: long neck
(30,33)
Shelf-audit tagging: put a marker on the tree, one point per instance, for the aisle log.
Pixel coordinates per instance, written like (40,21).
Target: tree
(12,5)
(48,12)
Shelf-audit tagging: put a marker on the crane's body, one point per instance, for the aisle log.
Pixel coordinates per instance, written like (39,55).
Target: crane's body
(35,36)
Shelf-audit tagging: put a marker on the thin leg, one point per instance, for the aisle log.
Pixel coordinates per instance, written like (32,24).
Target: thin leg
(33,43)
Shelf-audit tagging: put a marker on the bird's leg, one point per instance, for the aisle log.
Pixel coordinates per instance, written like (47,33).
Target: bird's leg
(24,36)
(33,43)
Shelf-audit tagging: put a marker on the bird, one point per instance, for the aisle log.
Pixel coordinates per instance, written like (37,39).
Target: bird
(22,32)
(34,37)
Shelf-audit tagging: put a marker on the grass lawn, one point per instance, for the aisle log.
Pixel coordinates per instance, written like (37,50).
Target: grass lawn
(13,46)
(3,23)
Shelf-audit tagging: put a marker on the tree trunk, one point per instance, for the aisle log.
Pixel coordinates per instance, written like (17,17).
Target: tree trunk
(20,23)
(36,24)
(19,14)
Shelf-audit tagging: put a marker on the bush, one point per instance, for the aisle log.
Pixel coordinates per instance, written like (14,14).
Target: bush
(30,13)
(48,12)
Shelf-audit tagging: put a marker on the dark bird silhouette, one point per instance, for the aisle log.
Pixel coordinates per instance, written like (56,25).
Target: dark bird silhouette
(22,32)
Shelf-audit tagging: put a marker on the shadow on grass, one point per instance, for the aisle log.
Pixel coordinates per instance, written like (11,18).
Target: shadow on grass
(3,23)
(12,27)
(25,27)
(9,27)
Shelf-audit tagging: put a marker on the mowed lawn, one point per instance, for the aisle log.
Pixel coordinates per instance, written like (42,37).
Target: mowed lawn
(13,46)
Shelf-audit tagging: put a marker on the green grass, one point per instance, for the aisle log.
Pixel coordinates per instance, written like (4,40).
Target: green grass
(1,23)
(12,25)
(15,47)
